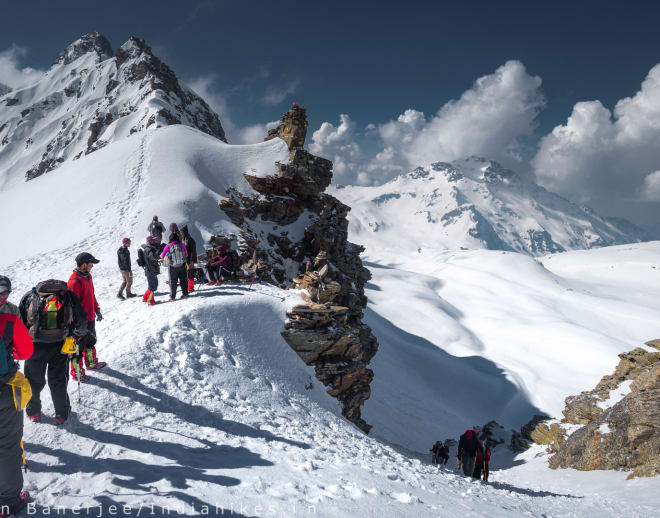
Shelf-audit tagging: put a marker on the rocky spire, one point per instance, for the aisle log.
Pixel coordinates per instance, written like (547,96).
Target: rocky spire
(327,332)
(92,42)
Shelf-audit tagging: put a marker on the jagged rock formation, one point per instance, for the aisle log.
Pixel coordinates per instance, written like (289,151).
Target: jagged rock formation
(619,421)
(289,223)
(89,98)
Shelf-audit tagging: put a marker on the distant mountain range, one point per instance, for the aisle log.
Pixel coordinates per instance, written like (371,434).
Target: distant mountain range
(475,203)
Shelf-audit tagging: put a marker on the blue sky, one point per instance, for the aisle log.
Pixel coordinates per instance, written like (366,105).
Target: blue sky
(374,60)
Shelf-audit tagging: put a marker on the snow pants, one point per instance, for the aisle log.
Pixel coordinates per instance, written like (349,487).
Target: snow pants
(478,468)
(11,452)
(48,358)
(152,282)
(468,464)
(87,351)
(178,275)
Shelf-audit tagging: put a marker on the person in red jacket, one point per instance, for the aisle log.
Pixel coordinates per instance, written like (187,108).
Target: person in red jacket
(15,344)
(82,285)
(217,265)
(481,465)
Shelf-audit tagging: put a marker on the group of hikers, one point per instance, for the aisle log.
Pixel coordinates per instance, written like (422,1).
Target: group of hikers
(54,325)
(473,454)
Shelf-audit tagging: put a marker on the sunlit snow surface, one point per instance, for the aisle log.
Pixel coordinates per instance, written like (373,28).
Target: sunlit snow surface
(203,404)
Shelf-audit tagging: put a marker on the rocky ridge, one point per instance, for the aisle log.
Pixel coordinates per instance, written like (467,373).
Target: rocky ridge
(295,235)
(614,426)
(90,97)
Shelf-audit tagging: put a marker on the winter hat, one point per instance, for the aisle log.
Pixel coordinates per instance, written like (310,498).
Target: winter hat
(468,434)
(174,237)
(5,284)
(151,240)
(221,249)
(85,258)
(184,229)
(125,241)
(174,228)
(155,218)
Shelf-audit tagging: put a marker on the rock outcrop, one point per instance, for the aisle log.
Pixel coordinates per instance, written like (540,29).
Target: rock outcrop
(620,420)
(295,235)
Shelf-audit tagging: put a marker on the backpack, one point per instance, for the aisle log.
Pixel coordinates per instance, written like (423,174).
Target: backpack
(176,255)
(141,261)
(47,311)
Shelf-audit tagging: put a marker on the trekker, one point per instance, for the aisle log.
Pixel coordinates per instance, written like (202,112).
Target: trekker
(440,453)
(468,446)
(51,312)
(124,260)
(156,229)
(148,259)
(177,257)
(174,229)
(15,344)
(82,285)
(435,451)
(219,264)
(191,247)
(482,463)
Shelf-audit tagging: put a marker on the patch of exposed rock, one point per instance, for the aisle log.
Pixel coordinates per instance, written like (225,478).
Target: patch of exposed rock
(619,418)
(295,235)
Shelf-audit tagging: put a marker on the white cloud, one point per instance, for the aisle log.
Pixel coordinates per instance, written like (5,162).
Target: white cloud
(277,94)
(600,157)
(650,190)
(11,74)
(489,119)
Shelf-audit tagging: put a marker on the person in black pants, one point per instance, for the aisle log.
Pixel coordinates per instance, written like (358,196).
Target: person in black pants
(48,358)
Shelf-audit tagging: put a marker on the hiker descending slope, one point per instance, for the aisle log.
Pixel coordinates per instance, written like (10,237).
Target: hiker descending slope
(81,284)
(15,344)
(176,257)
(124,261)
(148,260)
(156,229)
(52,313)
(191,247)
(468,447)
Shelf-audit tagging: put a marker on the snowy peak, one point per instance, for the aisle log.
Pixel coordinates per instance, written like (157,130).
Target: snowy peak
(88,99)
(93,42)
(476,203)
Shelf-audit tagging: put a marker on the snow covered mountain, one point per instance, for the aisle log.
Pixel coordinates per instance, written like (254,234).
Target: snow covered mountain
(89,98)
(4,89)
(472,204)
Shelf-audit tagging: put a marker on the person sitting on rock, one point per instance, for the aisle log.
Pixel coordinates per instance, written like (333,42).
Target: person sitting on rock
(219,265)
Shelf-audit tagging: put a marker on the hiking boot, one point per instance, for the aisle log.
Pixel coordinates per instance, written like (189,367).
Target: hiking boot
(131,295)
(84,378)
(171,300)
(97,366)
(24,497)
(60,420)
(185,295)
(35,418)
(120,296)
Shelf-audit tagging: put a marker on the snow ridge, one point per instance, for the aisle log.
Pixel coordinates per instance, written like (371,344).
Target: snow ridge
(89,98)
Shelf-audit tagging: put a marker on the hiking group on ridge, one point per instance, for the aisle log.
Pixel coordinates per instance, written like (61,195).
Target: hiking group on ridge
(54,325)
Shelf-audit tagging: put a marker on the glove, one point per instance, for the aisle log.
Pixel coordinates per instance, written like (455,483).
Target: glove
(99,317)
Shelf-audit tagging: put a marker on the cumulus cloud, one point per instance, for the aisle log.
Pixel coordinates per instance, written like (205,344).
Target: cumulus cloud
(11,73)
(650,190)
(488,119)
(602,157)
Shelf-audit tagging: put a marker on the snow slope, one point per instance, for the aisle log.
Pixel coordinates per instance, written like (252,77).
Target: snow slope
(473,204)
(204,404)
(484,335)
(89,98)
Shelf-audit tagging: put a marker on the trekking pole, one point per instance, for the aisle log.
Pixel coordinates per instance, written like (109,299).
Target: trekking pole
(252,280)
(485,473)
